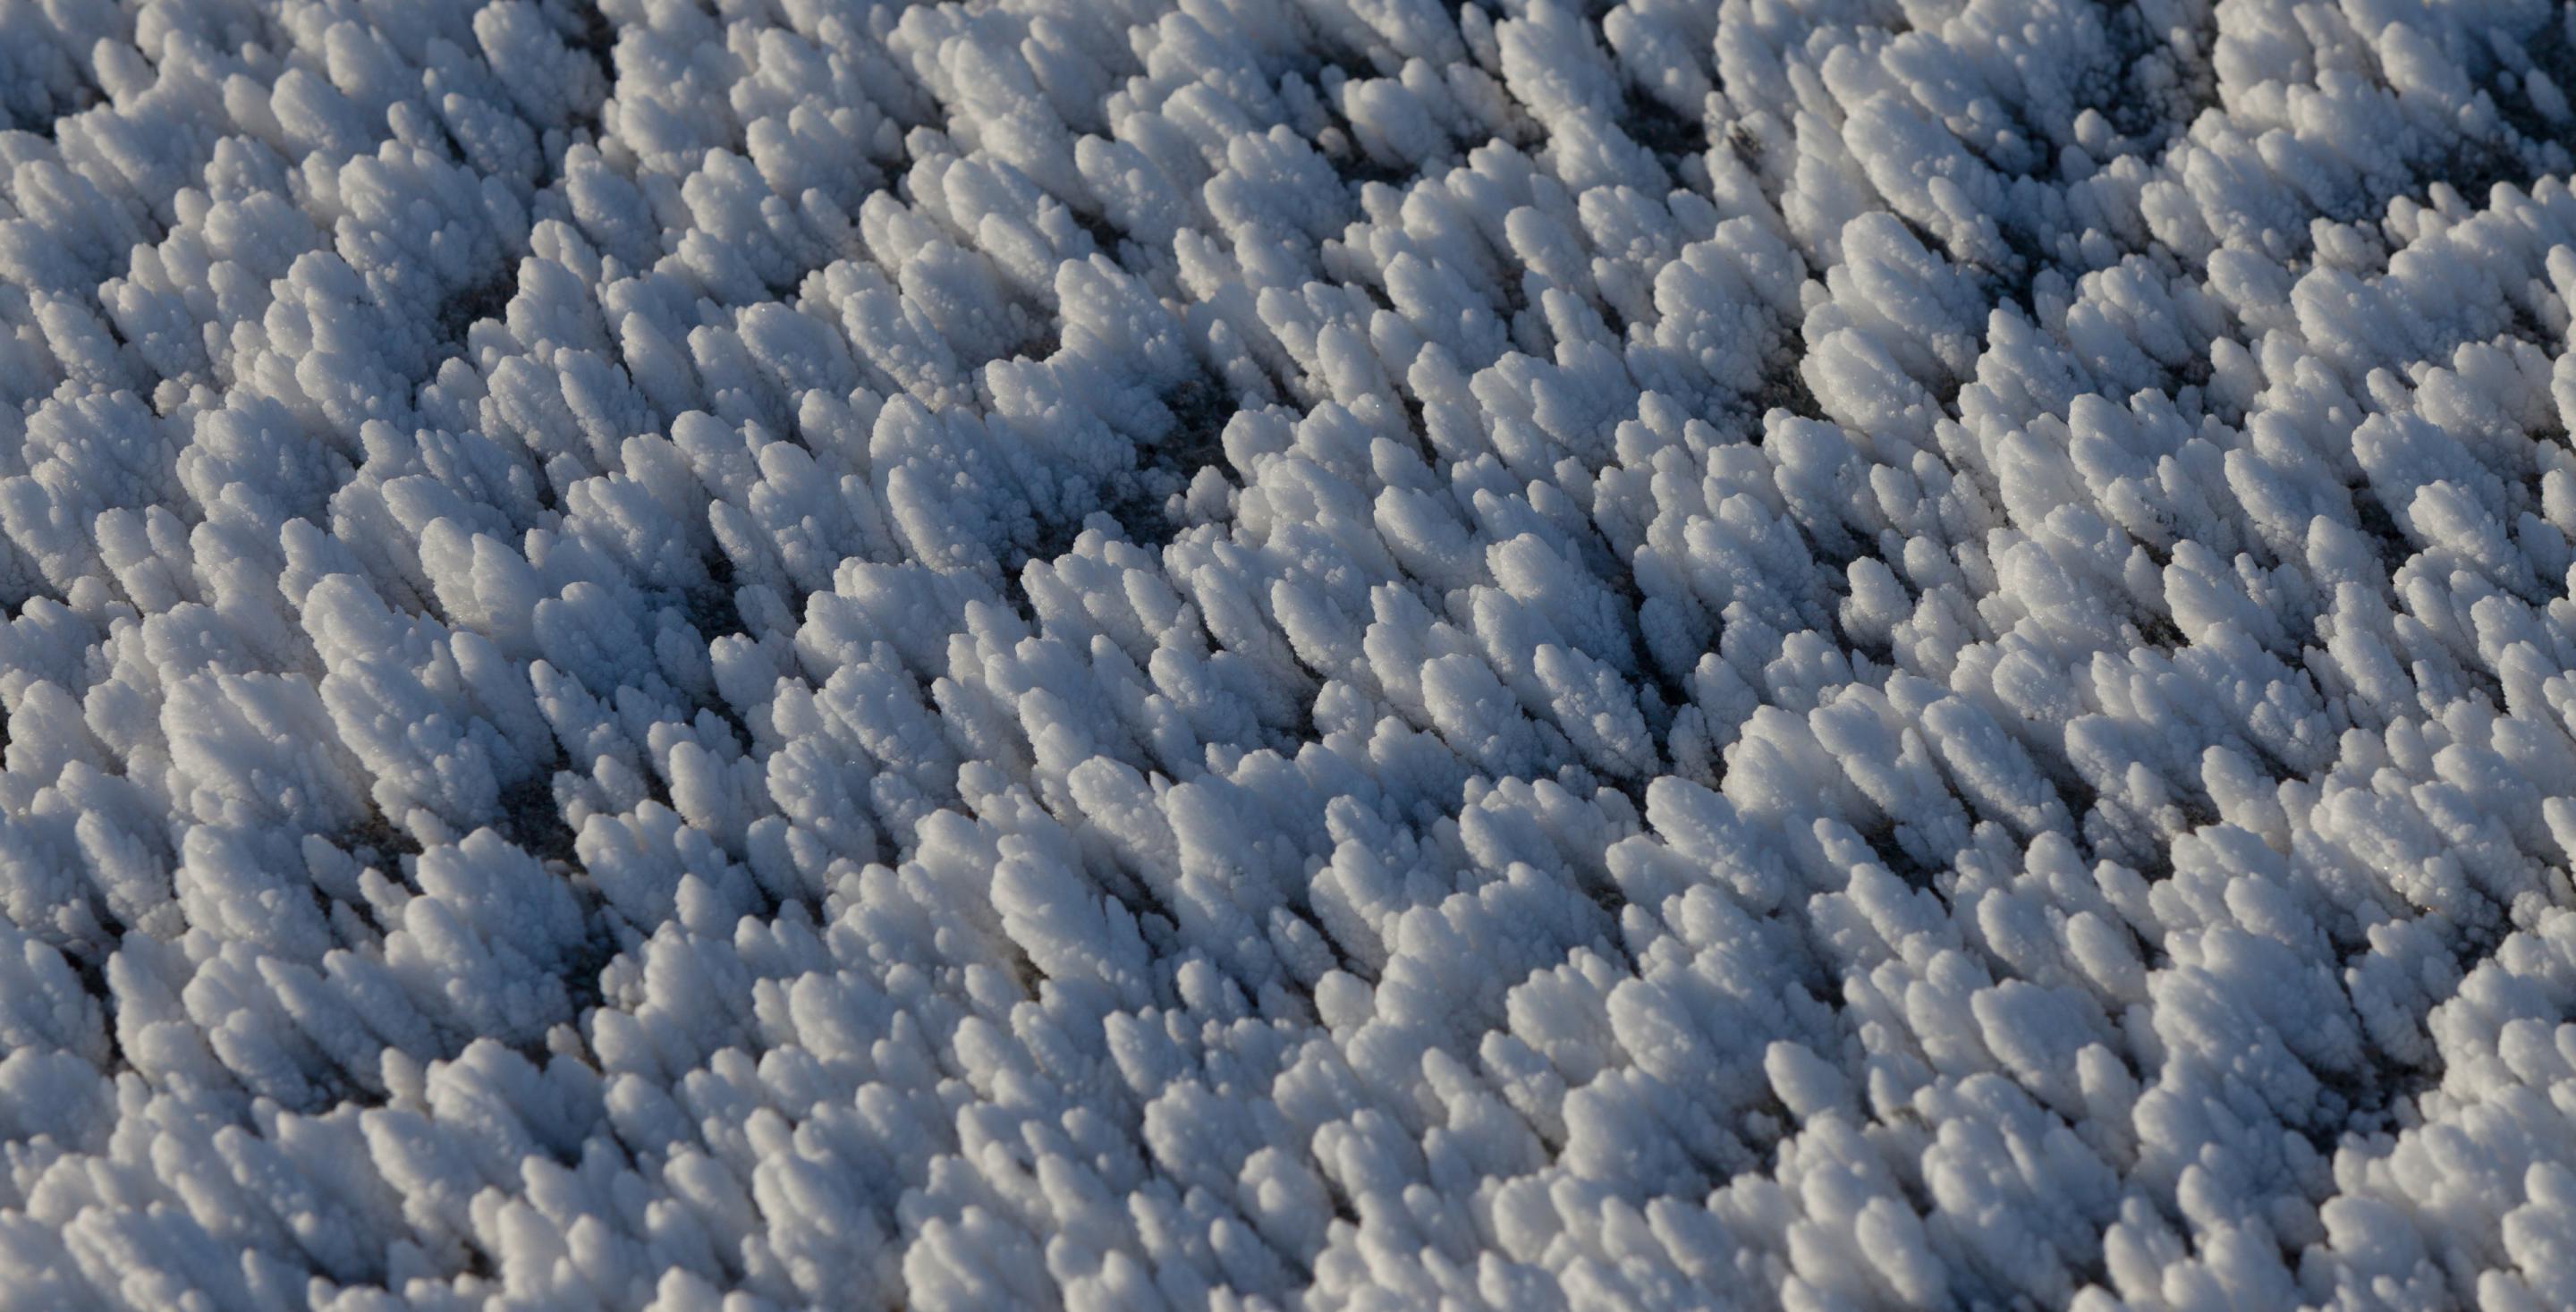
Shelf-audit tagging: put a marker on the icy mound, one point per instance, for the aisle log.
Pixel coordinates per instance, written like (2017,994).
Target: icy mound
(1350,653)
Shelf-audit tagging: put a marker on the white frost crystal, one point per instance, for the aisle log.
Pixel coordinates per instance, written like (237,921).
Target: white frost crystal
(1294,654)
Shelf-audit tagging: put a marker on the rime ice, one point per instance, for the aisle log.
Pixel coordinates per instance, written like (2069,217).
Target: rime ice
(1824,654)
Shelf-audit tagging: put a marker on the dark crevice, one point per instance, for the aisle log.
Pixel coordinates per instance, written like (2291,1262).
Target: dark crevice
(469,305)
(1665,133)
(2552,54)
(593,35)
(90,968)
(1102,232)
(580,976)
(713,610)
(1784,387)
(1359,168)
(1890,850)
(533,821)
(377,841)
(41,120)
(1142,500)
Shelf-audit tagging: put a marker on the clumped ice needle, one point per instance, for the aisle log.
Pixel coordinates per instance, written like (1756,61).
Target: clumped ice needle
(1287,655)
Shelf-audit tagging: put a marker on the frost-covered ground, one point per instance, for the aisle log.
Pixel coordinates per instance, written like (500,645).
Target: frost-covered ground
(1266,654)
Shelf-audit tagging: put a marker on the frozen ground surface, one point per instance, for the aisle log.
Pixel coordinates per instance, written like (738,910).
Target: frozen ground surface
(1350,653)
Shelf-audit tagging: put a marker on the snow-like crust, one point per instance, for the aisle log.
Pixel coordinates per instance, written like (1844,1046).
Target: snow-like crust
(1287,654)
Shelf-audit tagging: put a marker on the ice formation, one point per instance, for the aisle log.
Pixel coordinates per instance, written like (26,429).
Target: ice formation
(1287,654)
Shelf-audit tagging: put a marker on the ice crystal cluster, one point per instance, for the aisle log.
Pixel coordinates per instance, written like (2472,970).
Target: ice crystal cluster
(1287,654)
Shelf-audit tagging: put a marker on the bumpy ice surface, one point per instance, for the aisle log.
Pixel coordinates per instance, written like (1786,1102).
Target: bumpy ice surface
(1265,654)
